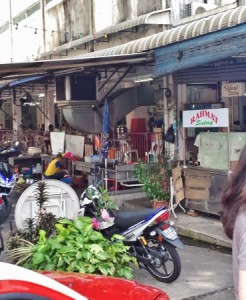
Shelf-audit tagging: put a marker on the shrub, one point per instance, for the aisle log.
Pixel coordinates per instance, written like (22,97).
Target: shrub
(76,247)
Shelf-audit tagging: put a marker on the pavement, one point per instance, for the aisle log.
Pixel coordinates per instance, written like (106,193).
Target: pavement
(205,228)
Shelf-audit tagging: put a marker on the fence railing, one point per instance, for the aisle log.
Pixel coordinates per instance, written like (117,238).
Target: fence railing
(137,147)
(129,147)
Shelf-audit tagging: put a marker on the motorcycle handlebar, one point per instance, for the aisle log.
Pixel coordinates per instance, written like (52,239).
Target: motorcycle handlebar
(99,182)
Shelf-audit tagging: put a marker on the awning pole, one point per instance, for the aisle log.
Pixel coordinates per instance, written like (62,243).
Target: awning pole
(184,148)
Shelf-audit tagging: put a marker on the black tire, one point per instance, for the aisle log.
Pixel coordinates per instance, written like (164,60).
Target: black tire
(1,242)
(166,265)
(2,213)
(5,212)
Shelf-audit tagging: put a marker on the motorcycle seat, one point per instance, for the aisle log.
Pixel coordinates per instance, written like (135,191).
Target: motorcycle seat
(125,219)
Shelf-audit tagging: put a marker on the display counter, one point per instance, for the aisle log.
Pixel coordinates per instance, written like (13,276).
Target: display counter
(204,184)
(204,188)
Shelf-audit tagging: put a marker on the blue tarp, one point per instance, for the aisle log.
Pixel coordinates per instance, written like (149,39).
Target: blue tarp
(105,117)
(25,80)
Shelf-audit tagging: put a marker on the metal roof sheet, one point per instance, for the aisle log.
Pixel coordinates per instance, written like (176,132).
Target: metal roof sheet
(156,17)
(194,29)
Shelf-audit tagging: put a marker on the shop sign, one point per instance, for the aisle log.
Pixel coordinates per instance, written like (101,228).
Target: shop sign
(232,89)
(206,118)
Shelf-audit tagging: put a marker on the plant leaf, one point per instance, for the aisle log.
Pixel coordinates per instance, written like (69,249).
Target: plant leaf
(38,258)
(102,255)
(95,248)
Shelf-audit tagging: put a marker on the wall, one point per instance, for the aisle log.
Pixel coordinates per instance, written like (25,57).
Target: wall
(139,112)
(64,21)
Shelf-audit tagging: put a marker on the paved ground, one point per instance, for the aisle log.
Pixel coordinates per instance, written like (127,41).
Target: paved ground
(206,272)
(203,271)
(206,269)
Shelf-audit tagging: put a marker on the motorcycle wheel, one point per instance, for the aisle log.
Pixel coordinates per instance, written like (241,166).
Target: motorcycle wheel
(2,213)
(8,207)
(166,265)
(1,242)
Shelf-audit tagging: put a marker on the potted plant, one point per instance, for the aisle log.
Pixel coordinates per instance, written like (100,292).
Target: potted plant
(156,181)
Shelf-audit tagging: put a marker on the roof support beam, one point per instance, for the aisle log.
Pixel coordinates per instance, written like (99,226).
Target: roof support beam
(101,103)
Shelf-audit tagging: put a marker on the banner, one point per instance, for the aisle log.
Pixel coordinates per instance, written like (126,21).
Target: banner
(206,118)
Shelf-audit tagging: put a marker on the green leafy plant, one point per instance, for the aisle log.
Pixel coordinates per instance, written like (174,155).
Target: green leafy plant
(47,243)
(102,199)
(155,179)
(76,247)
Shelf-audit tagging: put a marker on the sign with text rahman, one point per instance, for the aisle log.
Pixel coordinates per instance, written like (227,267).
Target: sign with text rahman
(206,118)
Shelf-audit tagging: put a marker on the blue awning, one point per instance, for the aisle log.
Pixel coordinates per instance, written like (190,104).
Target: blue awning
(25,80)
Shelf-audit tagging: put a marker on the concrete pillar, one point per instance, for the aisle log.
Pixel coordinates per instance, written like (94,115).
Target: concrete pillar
(49,109)
(17,116)
(182,99)
(40,116)
(68,94)
(241,2)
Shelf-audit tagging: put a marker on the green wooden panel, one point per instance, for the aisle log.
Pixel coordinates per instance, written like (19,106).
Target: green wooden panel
(214,149)
(237,142)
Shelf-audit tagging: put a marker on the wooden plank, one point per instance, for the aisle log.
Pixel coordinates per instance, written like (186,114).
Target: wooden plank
(197,194)
(193,172)
(198,182)
(178,185)
(176,172)
(179,196)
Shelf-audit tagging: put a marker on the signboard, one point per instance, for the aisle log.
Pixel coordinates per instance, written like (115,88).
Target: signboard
(57,142)
(75,144)
(232,89)
(206,118)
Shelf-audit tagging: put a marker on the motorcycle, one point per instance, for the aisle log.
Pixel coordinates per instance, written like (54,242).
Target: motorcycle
(7,183)
(148,232)
(9,149)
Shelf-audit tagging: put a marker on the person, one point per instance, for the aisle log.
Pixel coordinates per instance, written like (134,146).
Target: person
(47,143)
(233,216)
(197,144)
(54,170)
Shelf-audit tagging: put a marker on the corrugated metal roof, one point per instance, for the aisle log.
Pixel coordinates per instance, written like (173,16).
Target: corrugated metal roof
(203,26)
(19,70)
(156,17)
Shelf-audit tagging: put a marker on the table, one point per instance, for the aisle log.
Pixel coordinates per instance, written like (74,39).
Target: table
(26,161)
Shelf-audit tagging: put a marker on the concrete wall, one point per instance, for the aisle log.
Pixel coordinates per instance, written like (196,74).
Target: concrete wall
(88,17)
(49,26)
